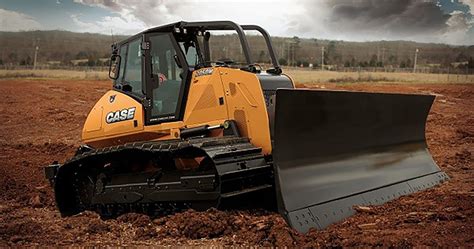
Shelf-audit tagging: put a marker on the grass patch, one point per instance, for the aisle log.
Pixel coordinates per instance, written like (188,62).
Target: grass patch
(53,74)
(315,76)
(298,75)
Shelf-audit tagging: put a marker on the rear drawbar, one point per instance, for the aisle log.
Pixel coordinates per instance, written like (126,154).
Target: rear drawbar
(336,149)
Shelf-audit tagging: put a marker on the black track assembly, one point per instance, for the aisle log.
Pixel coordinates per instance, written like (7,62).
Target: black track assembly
(159,178)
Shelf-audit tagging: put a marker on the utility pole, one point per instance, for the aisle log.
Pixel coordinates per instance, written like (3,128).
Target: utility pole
(112,35)
(288,46)
(282,50)
(416,58)
(36,54)
(378,54)
(293,54)
(2,58)
(322,58)
(383,57)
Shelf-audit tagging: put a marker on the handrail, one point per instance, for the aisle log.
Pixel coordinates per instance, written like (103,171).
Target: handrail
(265,35)
(223,25)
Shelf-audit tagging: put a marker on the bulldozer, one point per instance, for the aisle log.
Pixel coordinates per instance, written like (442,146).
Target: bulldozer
(180,130)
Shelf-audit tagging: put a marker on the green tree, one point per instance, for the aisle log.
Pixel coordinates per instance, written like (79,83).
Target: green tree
(403,64)
(373,61)
(82,55)
(363,64)
(351,63)
(470,63)
(91,62)
(392,59)
(261,56)
(330,54)
(331,47)
(282,62)
(295,46)
(26,61)
(12,57)
(461,57)
(67,57)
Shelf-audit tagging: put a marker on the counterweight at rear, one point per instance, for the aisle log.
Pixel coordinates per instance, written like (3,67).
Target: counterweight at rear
(181,129)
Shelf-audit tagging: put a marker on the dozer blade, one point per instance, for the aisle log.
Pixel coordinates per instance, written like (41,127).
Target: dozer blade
(336,149)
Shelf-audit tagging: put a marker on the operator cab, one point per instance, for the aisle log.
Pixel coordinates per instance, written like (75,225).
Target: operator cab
(155,66)
(163,87)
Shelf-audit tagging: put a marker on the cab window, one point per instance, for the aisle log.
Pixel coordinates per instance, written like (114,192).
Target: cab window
(190,53)
(123,57)
(169,83)
(133,67)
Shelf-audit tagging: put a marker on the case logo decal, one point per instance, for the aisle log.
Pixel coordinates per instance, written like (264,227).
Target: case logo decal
(122,115)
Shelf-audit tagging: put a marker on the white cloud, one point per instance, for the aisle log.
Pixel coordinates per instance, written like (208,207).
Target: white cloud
(100,3)
(272,15)
(469,3)
(458,25)
(458,22)
(361,20)
(125,23)
(16,21)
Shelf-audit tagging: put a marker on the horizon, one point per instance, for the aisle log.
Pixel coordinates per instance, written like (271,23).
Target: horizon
(424,21)
(283,37)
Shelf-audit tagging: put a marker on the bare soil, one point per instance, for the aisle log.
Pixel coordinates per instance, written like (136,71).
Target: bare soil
(41,122)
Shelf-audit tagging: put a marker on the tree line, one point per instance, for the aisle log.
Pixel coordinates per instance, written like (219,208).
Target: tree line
(85,49)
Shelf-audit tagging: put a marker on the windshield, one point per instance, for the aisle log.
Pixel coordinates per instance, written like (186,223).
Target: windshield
(225,49)
(190,52)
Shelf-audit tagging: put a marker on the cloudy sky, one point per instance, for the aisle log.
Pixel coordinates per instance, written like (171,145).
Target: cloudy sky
(445,21)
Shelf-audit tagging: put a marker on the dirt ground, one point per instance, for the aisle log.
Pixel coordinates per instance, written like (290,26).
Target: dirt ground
(41,122)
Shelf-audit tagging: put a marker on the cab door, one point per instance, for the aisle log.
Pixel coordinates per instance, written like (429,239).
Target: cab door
(167,74)
(119,113)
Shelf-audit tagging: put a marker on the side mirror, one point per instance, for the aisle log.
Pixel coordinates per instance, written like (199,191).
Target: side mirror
(114,66)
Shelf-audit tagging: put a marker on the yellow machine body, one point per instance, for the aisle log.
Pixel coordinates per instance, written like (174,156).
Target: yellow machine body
(243,102)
